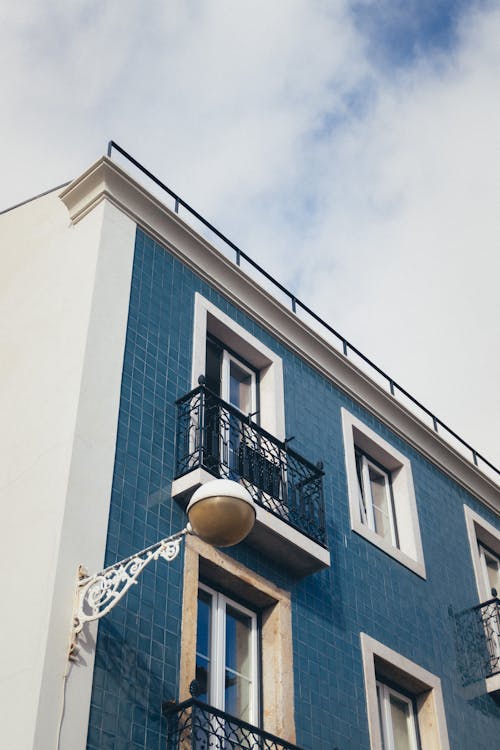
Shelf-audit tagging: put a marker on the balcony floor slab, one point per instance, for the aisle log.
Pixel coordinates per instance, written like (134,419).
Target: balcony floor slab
(278,540)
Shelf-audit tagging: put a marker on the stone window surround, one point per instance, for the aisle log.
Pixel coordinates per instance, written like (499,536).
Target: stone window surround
(379,661)
(357,434)
(274,603)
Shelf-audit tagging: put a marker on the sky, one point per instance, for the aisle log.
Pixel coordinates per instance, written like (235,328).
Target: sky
(351,148)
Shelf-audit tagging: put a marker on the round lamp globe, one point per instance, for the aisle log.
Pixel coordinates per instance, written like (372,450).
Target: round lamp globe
(221,512)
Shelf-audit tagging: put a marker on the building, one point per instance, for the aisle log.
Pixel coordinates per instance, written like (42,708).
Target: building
(360,606)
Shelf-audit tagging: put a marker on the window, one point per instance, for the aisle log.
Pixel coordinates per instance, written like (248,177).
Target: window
(239,368)
(376,502)
(234,380)
(239,384)
(232,445)
(249,669)
(398,725)
(404,701)
(226,655)
(381,495)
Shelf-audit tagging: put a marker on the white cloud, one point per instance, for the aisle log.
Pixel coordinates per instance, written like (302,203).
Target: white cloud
(417,209)
(373,192)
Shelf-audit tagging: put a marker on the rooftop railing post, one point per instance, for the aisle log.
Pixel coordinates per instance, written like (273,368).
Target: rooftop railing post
(201,419)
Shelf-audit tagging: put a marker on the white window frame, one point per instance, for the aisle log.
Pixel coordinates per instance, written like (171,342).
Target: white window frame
(367,503)
(382,663)
(218,650)
(406,546)
(227,359)
(485,553)
(208,319)
(228,444)
(384,693)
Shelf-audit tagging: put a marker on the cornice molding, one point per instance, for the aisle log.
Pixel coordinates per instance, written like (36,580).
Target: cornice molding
(106,180)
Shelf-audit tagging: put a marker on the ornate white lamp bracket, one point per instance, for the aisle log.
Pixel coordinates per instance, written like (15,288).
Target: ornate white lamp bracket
(220,512)
(96,595)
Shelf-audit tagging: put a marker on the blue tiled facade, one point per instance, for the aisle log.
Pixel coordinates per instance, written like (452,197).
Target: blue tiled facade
(138,648)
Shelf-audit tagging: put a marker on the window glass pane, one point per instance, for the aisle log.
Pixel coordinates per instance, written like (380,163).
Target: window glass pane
(401,727)
(203,649)
(380,716)
(226,655)
(493,568)
(213,366)
(381,502)
(361,495)
(238,631)
(240,388)
(203,624)
(238,673)
(203,678)
(237,695)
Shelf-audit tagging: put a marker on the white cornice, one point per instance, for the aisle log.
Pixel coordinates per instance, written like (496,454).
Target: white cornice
(106,180)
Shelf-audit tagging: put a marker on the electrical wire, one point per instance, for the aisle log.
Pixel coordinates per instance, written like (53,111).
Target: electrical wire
(63,703)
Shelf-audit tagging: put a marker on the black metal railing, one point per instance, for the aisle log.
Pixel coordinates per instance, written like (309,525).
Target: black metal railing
(489,625)
(217,437)
(193,724)
(331,335)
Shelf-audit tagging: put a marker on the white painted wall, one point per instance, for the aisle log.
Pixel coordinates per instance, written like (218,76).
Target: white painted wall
(64,293)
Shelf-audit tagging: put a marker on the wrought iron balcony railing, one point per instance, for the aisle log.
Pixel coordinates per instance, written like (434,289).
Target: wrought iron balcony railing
(215,436)
(197,726)
(489,624)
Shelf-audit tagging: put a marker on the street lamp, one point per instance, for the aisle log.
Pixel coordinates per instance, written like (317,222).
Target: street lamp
(220,512)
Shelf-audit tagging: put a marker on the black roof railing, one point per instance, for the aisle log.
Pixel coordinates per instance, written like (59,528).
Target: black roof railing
(347,349)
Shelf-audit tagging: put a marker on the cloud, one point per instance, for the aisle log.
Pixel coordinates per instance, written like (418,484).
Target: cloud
(413,229)
(205,92)
(366,181)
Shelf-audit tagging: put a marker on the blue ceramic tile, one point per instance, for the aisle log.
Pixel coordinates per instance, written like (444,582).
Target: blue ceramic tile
(137,655)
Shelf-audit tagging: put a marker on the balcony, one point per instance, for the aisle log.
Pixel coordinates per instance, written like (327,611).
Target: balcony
(196,725)
(489,626)
(214,439)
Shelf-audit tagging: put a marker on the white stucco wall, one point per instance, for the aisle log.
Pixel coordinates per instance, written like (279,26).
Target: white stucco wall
(64,294)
